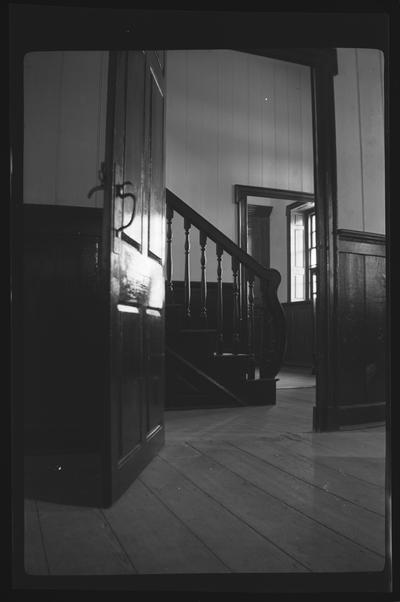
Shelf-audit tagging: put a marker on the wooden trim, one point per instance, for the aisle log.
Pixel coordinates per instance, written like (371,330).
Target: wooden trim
(363,237)
(355,415)
(361,248)
(324,140)
(297,303)
(219,238)
(361,243)
(242,191)
(107,243)
(312,57)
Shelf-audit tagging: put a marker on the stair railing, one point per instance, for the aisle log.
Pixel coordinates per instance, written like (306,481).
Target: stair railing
(272,340)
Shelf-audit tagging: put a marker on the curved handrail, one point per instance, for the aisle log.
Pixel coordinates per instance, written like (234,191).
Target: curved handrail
(221,239)
(274,344)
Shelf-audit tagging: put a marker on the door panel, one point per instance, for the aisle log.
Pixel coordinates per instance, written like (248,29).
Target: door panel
(131,381)
(155,368)
(135,162)
(134,141)
(156,200)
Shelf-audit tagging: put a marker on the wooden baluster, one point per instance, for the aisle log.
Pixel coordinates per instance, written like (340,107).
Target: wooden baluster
(250,315)
(220,335)
(203,282)
(187,226)
(235,333)
(170,286)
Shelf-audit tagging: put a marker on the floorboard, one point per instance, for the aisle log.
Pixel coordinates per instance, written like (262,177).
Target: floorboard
(343,517)
(315,472)
(153,536)
(234,490)
(312,544)
(240,547)
(34,553)
(79,542)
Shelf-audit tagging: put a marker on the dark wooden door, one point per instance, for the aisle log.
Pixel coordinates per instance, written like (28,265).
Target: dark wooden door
(134,232)
(258,246)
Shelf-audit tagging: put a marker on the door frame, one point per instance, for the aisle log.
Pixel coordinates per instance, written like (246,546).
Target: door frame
(323,66)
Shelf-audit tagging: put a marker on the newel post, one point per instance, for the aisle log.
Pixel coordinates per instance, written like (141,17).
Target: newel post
(273,338)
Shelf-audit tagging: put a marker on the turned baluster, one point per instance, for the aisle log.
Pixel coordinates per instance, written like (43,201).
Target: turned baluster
(170,286)
(220,336)
(235,330)
(203,282)
(187,226)
(250,314)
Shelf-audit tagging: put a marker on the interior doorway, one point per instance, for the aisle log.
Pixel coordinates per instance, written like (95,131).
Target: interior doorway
(278,228)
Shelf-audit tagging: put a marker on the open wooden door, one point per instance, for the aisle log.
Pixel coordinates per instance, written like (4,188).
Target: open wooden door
(134,258)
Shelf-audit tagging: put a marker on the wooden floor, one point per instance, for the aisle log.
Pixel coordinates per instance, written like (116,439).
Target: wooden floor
(238,490)
(291,377)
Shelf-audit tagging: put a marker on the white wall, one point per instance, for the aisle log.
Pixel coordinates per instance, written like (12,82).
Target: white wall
(220,131)
(65,96)
(359,107)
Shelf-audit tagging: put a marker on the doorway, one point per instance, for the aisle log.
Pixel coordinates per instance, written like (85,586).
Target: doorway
(278,228)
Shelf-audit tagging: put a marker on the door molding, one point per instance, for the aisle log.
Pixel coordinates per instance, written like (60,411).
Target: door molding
(324,66)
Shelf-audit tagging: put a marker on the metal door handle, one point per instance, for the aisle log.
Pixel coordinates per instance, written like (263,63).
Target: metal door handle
(119,191)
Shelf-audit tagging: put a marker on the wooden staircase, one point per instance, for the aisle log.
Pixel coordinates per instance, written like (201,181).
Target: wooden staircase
(211,353)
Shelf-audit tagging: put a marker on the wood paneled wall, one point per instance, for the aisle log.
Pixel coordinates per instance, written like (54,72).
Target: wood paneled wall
(361,380)
(299,334)
(65,96)
(62,341)
(359,108)
(221,131)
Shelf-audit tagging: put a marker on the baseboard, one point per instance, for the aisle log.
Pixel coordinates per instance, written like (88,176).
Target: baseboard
(332,418)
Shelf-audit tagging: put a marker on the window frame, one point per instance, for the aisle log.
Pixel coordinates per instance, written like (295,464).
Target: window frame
(300,207)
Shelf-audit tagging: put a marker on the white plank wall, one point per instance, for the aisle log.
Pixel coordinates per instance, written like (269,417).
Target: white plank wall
(221,131)
(359,107)
(65,95)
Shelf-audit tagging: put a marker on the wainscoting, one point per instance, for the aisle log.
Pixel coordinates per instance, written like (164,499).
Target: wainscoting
(61,317)
(361,381)
(235,490)
(299,334)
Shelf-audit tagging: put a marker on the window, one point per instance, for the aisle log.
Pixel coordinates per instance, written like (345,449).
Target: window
(302,252)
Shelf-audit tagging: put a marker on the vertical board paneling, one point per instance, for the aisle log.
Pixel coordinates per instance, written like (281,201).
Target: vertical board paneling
(42,82)
(76,166)
(295,129)
(375,308)
(194,183)
(255,121)
(351,324)
(282,127)
(240,139)
(268,126)
(176,110)
(371,122)
(361,329)
(349,181)
(221,132)
(65,115)
(360,140)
